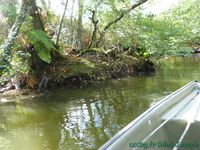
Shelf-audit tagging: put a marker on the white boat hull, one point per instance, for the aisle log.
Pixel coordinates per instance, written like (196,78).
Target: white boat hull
(172,123)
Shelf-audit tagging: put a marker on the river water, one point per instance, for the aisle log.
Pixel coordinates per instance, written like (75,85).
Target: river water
(85,118)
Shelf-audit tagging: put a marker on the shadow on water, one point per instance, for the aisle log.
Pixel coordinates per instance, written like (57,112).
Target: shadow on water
(86,118)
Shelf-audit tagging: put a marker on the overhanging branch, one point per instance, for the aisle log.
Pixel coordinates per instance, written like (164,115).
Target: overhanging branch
(109,24)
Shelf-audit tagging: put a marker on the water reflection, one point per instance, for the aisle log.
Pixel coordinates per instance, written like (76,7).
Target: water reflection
(98,118)
(86,118)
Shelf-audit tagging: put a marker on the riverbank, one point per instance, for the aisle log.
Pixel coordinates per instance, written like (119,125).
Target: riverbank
(92,69)
(89,67)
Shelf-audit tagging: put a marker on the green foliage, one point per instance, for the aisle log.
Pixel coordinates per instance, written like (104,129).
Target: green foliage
(186,15)
(160,36)
(157,35)
(42,43)
(8,14)
(27,26)
(9,10)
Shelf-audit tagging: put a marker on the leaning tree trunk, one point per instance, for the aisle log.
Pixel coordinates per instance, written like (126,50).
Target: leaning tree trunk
(109,24)
(7,46)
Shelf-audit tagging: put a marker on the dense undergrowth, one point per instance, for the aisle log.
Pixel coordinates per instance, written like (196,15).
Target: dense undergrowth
(73,68)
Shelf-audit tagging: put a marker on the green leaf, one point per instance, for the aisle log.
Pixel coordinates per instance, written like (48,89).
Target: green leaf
(42,43)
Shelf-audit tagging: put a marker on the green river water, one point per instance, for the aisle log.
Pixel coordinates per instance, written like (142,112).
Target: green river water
(85,118)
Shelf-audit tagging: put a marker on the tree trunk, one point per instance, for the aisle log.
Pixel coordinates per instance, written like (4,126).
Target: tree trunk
(93,37)
(6,47)
(61,22)
(71,23)
(34,13)
(109,24)
(80,22)
(38,66)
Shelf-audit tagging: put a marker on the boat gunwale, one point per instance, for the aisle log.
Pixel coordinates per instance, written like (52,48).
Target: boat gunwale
(140,117)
